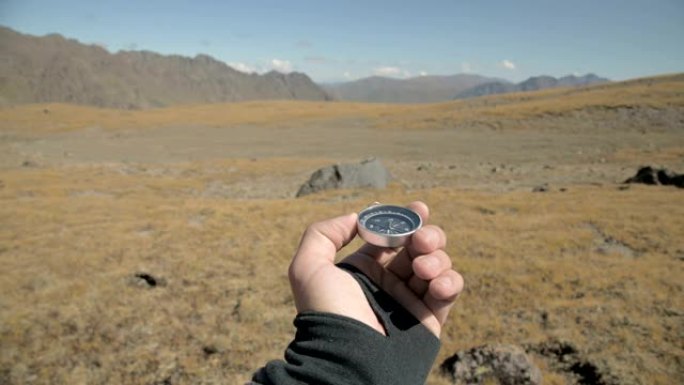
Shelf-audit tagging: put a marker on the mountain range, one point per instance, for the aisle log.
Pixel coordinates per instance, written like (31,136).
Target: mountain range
(55,69)
(532,84)
(431,89)
(422,89)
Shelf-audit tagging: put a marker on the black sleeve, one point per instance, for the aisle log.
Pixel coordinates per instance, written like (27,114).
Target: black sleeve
(331,349)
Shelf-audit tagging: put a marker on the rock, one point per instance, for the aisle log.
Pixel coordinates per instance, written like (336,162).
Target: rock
(566,358)
(367,174)
(656,176)
(541,188)
(147,280)
(209,350)
(503,364)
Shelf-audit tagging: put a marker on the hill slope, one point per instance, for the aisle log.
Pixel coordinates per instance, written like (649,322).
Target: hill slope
(634,104)
(424,89)
(55,69)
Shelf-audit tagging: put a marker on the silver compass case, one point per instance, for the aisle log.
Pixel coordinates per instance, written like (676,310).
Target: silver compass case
(388,225)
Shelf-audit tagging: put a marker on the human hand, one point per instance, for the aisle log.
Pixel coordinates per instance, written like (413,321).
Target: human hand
(419,276)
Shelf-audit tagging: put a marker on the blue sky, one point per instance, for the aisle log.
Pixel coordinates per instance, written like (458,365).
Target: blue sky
(340,40)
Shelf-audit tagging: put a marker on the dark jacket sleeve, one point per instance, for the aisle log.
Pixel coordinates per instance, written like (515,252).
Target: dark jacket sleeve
(331,349)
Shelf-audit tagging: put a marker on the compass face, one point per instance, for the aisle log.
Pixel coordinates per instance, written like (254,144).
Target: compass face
(386,225)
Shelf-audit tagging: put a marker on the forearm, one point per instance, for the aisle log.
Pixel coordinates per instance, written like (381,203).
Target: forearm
(330,349)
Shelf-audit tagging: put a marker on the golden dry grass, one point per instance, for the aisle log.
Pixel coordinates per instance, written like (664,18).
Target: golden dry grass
(72,239)
(596,265)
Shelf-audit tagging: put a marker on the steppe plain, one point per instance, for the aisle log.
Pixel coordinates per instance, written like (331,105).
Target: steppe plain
(199,200)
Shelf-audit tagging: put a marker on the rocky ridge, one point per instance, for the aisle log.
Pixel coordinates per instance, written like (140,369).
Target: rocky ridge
(53,68)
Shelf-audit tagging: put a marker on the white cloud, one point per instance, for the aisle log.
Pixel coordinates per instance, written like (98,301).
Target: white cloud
(507,64)
(347,75)
(387,71)
(466,67)
(242,67)
(283,66)
(423,73)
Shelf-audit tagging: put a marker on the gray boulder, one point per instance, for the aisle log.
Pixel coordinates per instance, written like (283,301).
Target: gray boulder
(499,364)
(367,174)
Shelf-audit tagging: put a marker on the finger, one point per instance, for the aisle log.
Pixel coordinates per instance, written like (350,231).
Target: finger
(442,292)
(421,209)
(321,241)
(430,266)
(427,240)
(424,241)
(418,286)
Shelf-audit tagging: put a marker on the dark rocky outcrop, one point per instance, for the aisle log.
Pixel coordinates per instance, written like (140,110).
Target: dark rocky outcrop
(503,364)
(657,176)
(367,174)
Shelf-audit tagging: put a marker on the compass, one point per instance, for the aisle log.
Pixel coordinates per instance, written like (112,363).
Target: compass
(388,225)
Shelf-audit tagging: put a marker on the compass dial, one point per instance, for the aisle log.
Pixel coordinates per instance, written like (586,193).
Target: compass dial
(387,225)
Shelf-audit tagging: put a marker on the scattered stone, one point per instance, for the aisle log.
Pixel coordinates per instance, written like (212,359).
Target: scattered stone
(209,350)
(541,188)
(367,174)
(566,358)
(657,176)
(29,163)
(503,364)
(147,280)
(624,187)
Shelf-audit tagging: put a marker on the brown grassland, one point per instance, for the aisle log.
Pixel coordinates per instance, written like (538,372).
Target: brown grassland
(202,198)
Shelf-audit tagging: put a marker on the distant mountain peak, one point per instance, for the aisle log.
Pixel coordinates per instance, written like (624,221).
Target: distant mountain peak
(419,89)
(533,83)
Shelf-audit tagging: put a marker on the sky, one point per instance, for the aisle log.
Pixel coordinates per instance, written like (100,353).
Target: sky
(335,41)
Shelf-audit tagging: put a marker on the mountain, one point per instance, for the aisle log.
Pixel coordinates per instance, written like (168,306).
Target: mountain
(55,69)
(423,89)
(532,84)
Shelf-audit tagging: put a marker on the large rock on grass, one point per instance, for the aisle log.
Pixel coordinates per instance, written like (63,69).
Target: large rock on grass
(655,176)
(492,364)
(367,174)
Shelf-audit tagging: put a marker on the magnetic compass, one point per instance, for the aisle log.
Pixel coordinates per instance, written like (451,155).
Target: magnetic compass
(388,225)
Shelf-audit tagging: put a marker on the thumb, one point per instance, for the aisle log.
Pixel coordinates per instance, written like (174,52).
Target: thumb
(320,243)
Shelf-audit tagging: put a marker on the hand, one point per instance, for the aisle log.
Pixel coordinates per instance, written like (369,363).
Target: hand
(419,276)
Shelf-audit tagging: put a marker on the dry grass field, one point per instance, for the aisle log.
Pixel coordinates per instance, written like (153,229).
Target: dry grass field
(97,203)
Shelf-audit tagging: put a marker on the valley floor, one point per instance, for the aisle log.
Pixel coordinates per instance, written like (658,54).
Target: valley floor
(85,213)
